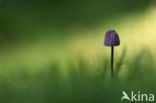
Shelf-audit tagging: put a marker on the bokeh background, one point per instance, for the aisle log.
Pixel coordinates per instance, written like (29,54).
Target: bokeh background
(51,51)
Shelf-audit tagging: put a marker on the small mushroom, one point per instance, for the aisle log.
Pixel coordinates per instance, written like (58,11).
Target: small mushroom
(111,39)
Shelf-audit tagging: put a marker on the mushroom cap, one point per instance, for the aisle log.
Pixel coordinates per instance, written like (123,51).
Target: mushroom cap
(111,38)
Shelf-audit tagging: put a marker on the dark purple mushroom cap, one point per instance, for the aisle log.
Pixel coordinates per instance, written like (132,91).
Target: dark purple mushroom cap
(111,38)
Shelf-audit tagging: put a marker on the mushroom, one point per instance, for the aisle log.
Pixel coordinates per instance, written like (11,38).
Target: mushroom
(111,39)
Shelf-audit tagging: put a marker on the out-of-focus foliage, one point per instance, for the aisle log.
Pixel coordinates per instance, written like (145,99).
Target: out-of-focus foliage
(80,85)
(26,18)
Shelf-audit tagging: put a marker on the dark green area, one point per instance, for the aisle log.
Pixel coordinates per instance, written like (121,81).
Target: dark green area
(25,19)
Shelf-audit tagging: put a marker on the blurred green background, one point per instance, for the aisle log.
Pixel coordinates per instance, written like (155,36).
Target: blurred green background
(51,51)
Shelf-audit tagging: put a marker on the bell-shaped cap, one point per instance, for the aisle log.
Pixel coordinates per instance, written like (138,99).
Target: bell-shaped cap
(111,38)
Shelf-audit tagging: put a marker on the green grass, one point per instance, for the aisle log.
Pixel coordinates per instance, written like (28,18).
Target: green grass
(82,84)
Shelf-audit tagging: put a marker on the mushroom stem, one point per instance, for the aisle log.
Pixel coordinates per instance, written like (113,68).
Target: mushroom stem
(112,55)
